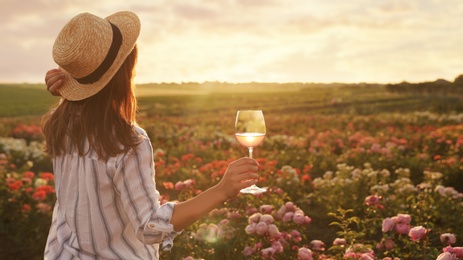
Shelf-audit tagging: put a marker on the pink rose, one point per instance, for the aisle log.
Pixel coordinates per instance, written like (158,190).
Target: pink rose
(247,251)
(317,245)
(367,256)
(261,228)
(255,218)
(448,238)
(448,249)
(281,212)
(295,233)
(299,217)
(417,233)
(296,236)
(458,251)
(389,244)
(233,215)
(446,256)
(189,183)
(304,254)
(268,252)
(373,200)
(224,222)
(349,255)
(307,220)
(290,206)
(226,232)
(277,246)
(388,224)
(402,228)
(273,231)
(179,185)
(250,211)
(339,242)
(250,229)
(266,218)
(404,218)
(288,216)
(266,209)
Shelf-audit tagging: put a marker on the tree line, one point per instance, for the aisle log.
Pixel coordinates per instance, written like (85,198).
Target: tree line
(438,87)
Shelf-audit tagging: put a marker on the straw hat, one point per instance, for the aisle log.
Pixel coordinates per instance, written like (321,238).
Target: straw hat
(92,49)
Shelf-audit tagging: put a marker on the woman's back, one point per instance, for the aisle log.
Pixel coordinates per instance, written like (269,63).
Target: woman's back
(101,204)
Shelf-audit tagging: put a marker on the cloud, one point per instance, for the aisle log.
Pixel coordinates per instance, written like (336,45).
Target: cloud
(255,40)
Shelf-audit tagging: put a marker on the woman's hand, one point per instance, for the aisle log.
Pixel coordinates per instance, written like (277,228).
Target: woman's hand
(54,79)
(239,175)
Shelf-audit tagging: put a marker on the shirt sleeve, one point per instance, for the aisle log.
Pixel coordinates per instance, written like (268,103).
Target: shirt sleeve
(134,181)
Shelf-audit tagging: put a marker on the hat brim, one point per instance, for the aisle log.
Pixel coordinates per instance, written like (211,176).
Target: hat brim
(129,25)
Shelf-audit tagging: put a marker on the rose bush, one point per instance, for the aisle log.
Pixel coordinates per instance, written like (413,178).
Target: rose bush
(339,187)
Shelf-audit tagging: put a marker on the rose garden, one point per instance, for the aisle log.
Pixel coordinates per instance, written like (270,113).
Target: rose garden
(356,172)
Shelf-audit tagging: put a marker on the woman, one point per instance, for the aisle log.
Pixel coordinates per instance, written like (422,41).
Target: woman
(107,203)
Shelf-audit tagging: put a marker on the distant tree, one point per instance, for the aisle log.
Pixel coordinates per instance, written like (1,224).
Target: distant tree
(458,81)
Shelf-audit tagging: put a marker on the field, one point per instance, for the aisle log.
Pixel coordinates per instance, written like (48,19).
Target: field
(345,156)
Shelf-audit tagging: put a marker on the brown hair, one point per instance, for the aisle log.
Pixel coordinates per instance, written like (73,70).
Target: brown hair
(106,120)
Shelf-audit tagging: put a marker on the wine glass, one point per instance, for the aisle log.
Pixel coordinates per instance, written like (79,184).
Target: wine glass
(250,132)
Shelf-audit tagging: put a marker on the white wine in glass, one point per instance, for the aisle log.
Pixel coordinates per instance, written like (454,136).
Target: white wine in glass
(250,132)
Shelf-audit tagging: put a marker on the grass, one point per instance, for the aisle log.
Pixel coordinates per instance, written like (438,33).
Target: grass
(24,100)
(19,100)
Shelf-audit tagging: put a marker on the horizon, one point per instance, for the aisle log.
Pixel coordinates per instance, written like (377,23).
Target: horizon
(255,82)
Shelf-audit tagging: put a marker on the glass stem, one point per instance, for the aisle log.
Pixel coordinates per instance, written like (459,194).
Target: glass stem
(250,152)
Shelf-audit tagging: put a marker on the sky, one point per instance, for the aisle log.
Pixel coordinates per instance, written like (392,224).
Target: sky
(320,41)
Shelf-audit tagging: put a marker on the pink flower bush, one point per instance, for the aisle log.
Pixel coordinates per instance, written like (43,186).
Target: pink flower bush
(262,225)
(265,228)
(290,212)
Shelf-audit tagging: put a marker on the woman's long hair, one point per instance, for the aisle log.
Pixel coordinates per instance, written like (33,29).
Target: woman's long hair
(106,120)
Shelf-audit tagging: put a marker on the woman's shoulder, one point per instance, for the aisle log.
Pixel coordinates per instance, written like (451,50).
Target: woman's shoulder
(143,144)
(140,131)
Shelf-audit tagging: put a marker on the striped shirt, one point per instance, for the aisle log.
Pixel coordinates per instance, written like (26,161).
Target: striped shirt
(108,210)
